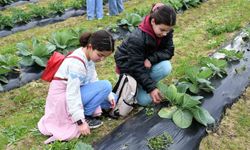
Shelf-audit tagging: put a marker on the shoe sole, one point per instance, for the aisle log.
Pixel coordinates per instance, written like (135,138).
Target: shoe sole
(96,126)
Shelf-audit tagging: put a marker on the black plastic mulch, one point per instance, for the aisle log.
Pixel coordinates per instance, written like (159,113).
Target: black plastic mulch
(68,13)
(135,132)
(17,3)
(22,77)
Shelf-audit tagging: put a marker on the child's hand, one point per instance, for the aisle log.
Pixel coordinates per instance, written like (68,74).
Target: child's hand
(84,128)
(147,64)
(156,96)
(112,103)
(111,100)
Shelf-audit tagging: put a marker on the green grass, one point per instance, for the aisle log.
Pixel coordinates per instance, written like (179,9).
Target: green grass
(234,130)
(22,108)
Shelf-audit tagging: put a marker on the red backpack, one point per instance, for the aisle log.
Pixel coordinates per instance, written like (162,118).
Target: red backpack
(54,63)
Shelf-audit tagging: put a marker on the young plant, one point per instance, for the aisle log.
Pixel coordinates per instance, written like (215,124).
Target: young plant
(232,55)
(39,12)
(246,34)
(83,146)
(6,22)
(7,64)
(160,142)
(131,21)
(216,66)
(77,4)
(20,17)
(65,40)
(176,4)
(195,80)
(57,7)
(113,28)
(149,111)
(184,107)
(38,53)
(6,2)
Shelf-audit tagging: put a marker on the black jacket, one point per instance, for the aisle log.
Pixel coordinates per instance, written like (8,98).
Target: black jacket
(137,47)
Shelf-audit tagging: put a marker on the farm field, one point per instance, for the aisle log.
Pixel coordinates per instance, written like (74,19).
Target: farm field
(21,108)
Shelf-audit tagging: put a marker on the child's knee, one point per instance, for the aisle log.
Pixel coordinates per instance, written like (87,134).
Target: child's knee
(106,85)
(166,68)
(144,100)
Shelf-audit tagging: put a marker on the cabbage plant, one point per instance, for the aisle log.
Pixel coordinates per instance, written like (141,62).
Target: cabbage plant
(38,53)
(184,108)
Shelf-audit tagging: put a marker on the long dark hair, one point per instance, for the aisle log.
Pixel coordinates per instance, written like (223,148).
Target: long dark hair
(163,14)
(100,40)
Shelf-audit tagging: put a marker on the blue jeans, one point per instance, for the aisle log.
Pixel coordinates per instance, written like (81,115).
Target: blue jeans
(94,9)
(96,94)
(115,7)
(158,72)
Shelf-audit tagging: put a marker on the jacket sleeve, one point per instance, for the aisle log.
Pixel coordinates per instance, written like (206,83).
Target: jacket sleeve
(136,58)
(165,51)
(76,74)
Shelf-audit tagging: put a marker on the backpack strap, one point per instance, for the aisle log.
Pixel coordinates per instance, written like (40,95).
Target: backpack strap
(78,58)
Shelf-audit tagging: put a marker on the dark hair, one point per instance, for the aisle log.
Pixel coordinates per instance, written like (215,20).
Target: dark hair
(100,40)
(163,15)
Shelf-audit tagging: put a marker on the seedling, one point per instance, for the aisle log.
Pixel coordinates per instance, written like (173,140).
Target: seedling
(149,111)
(6,22)
(38,12)
(57,7)
(7,64)
(6,2)
(184,107)
(160,142)
(240,69)
(195,80)
(83,146)
(20,17)
(176,4)
(232,55)
(216,66)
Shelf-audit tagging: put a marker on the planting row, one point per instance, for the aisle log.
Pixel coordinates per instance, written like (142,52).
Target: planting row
(37,15)
(11,3)
(193,105)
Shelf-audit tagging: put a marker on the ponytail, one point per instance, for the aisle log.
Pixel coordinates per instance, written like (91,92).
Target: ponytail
(84,39)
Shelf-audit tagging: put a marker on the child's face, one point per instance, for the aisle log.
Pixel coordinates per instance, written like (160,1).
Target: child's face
(160,30)
(97,56)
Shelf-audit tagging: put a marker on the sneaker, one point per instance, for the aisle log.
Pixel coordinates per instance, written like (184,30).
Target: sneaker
(109,113)
(93,122)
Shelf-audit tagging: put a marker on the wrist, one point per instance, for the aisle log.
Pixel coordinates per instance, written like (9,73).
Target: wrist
(80,122)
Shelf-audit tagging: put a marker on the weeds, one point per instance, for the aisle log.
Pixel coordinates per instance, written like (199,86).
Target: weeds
(160,142)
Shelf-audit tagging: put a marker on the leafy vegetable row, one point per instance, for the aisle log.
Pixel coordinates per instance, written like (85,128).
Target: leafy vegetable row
(20,17)
(183,95)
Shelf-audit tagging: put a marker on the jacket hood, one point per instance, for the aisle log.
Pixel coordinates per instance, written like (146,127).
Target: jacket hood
(146,26)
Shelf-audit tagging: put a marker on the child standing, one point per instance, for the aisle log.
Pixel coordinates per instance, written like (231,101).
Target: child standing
(115,7)
(94,9)
(75,94)
(145,54)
